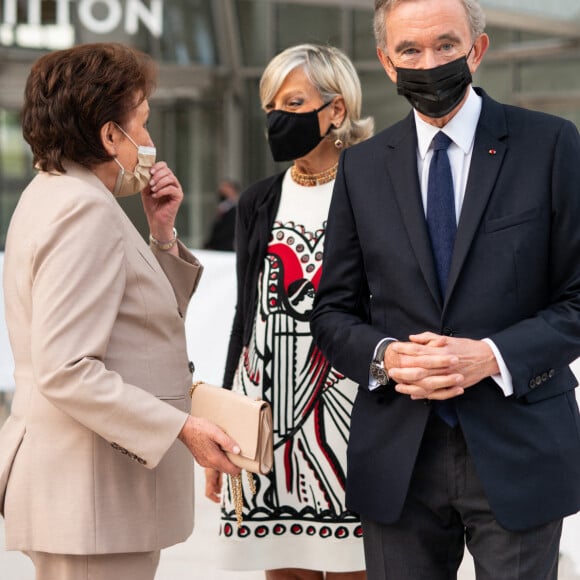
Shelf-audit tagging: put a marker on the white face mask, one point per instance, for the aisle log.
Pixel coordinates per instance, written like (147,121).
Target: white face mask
(132,182)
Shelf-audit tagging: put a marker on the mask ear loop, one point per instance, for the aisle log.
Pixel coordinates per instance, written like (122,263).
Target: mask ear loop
(324,105)
(470,51)
(126,134)
(338,143)
(119,181)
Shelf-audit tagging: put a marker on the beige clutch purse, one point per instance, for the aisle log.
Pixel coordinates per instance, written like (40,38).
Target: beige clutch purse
(247,421)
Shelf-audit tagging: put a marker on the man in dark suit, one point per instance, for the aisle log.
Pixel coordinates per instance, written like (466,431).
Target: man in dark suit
(459,330)
(222,234)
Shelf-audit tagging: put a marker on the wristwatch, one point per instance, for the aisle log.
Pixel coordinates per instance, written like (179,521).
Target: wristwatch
(377,368)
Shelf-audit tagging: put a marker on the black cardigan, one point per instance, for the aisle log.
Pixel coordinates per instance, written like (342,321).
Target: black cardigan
(257,210)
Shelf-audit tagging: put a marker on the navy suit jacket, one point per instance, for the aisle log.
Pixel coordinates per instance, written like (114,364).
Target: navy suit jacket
(515,278)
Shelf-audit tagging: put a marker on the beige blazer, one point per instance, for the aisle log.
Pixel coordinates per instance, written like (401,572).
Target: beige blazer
(89,461)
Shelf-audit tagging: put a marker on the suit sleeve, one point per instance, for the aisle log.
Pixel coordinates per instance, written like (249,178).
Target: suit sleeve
(78,282)
(545,344)
(340,322)
(183,272)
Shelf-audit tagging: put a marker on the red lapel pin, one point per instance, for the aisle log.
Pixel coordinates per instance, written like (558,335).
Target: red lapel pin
(492,151)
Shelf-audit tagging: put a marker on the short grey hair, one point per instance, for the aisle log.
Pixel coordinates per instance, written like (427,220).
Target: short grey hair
(332,73)
(473,9)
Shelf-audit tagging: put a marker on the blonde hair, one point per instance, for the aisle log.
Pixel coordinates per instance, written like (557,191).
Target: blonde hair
(332,73)
(473,9)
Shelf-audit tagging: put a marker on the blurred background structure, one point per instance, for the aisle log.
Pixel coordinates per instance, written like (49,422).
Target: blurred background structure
(206,119)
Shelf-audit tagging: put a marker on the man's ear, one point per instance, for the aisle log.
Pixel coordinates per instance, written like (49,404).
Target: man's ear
(480,47)
(109,138)
(387,65)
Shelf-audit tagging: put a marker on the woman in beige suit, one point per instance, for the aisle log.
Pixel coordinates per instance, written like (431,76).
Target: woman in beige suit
(93,482)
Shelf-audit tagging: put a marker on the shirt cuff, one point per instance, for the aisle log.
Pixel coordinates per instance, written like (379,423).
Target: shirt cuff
(372,381)
(504,378)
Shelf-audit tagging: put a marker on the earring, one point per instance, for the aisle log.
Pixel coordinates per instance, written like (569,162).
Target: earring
(338,143)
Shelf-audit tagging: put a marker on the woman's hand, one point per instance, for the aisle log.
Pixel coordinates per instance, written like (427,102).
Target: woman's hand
(213,484)
(208,444)
(161,201)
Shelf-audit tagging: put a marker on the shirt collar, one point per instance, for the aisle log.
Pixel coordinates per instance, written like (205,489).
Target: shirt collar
(461,129)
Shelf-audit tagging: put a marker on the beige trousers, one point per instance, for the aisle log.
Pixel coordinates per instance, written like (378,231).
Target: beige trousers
(135,566)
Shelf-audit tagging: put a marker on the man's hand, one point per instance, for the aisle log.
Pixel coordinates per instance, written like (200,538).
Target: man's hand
(207,443)
(431,366)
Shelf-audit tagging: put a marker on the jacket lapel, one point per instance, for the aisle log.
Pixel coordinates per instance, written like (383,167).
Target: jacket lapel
(75,170)
(489,150)
(401,163)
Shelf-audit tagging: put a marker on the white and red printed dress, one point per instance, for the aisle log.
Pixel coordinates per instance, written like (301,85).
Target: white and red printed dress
(298,518)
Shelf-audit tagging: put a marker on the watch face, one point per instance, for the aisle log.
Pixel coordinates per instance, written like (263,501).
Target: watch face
(379,374)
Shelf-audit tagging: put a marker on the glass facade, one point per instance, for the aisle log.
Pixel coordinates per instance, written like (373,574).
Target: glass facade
(206,118)
(553,8)
(15,167)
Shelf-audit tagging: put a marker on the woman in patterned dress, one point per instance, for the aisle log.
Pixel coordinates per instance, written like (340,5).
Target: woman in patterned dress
(297,524)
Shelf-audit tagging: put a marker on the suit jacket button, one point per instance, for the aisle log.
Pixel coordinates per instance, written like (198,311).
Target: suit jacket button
(544,377)
(448,331)
(551,373)
(533,384)
(538,381)
(191,367)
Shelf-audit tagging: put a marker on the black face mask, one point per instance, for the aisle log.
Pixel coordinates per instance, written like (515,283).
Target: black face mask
(435,92)
(293,135)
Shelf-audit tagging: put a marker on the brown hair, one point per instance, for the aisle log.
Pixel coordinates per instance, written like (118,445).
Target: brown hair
(70,94)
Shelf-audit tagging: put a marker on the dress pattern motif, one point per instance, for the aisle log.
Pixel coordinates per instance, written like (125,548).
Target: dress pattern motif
(311,402)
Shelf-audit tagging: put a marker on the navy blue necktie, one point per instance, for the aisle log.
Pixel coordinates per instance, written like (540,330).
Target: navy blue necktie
(442,226)
(441,220)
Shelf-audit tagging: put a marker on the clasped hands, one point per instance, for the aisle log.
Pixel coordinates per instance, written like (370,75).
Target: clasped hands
(437,367)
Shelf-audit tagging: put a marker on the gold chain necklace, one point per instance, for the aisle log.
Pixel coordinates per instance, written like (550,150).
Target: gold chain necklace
(310,180)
